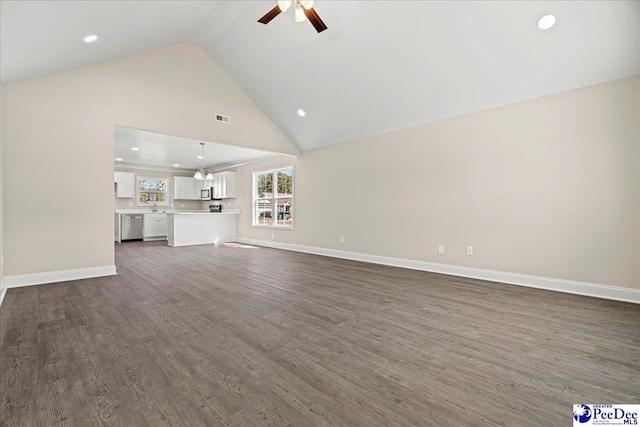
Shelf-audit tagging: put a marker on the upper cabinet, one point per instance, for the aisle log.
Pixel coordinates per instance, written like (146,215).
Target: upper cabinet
(125,185)
(186,188)
(224,185)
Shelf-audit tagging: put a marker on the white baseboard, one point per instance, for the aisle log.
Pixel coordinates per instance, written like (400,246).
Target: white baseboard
(20,280)
(559,285)
(3,292)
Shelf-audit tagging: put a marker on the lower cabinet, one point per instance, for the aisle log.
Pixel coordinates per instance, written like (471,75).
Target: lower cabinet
(155,227)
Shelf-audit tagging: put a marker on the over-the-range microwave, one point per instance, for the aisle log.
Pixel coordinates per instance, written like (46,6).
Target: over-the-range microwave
(207,194)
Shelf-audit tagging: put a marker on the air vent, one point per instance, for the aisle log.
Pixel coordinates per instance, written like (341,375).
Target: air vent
(223,119)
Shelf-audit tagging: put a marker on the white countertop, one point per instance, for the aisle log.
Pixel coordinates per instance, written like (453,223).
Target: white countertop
(142,211)
(227,212)
(160,211)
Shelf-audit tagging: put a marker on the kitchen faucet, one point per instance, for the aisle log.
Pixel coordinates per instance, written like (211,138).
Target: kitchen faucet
(154,208)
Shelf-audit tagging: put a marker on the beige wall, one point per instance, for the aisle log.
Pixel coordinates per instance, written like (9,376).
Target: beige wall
(180,204)
(547,187)
(58,146)
(1,232)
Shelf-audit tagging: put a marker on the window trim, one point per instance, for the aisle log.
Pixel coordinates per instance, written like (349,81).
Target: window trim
(156,178)
(273,199)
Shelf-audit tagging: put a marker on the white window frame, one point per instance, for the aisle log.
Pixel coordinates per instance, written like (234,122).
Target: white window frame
(273,198)
(156,178)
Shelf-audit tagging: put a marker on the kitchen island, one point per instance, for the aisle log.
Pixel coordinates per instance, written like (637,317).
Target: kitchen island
(201,228)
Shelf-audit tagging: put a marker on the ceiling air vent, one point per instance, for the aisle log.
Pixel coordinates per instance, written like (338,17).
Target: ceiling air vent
(223,119)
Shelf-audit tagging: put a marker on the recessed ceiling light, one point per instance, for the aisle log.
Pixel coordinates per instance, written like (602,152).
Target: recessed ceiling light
(135,149)
(546,22)
(301,113)
(200,157)
(175,165)
(91,38)
(118,159)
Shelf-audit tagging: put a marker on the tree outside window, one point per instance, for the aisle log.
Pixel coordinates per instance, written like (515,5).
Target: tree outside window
(153,190)
(273,198)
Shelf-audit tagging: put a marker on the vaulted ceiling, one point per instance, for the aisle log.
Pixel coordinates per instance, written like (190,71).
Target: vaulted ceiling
(381,65)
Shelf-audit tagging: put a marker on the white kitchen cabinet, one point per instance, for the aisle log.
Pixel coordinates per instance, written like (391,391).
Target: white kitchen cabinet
(224,185)
(155,226)
(190,189)
(162,227)
(216,187)
(125,185)
(178,188)
(186,188)
(198,185)
(183,188)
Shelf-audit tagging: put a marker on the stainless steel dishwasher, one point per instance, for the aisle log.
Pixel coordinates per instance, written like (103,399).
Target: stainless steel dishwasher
(132,226)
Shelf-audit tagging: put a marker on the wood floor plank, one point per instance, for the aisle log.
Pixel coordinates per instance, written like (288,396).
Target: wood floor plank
(231,336)
(18,355)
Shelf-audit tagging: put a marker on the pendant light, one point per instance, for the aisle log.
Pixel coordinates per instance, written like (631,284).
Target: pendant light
(203,173)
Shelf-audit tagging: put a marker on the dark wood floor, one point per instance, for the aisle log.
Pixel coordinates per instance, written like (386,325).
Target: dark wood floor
(236,336)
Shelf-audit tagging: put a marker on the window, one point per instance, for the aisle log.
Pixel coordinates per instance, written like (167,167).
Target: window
(152,190)
(273,198)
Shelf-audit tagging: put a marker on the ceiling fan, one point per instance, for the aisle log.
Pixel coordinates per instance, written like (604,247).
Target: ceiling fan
(304,10)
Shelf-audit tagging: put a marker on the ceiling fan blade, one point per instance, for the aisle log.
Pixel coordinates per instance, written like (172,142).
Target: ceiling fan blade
(315,20)
(270,15)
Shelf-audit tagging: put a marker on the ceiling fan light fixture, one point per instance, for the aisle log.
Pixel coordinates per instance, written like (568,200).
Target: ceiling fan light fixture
(284,4)
(300,16)
(304,11)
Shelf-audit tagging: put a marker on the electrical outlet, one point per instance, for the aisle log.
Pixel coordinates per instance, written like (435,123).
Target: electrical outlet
(130,204)
(440,249)
(229,204)
(469,250)
(341,239)
(182,205)
(272,237)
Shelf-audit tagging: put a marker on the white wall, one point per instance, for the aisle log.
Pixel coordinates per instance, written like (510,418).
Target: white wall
(2,289)
(547,187)
(58,146)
